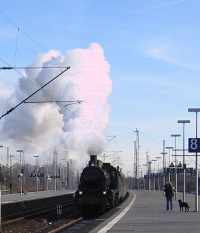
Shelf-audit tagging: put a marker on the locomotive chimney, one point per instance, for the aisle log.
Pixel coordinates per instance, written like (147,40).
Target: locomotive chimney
(93,160)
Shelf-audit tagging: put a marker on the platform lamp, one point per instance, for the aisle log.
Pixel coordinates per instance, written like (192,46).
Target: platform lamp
(154,168)
(158,158)
(1,175)
(175,136)
(36,171)
(183,122)
(21,174)
(196,111)
(169,148)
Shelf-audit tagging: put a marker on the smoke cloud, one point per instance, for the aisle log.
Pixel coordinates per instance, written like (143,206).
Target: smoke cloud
(79,127)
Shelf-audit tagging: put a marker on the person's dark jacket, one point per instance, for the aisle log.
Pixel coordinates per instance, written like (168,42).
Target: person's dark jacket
(168,189)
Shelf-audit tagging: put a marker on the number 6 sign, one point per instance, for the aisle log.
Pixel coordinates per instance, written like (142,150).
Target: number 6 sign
(194,144)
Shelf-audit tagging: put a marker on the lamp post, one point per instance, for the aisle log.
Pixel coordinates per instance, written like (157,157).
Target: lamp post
(169,148)
(164,162)
(136,156)
(1,146)
(183,122)
(196,110)
(21,174)
(36,171)
(158,158)
(145,165)
(55,161)
(176,183)
(1,173)
(148,170)
(149,175)
(154,168)
(11,175)
(163,154)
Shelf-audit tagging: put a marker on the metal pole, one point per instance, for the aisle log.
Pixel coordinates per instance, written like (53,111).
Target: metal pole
(21,174)
(158,177)
(1,170)
(169,154)
(37,181)
(154,178)
(21,184)
(163,163)
(11,175)
(183,122)
(136,148)
(175,171)
(196,110)
(197,176)
(55,170)
(1,212)
(149,175)
(175,136)
(154,175)
(36,172)
(47,184)
(184,162)
(148,170)
(135,165)
(7,168)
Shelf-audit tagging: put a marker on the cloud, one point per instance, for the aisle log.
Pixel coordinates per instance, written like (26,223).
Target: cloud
(174,54)
(161,53)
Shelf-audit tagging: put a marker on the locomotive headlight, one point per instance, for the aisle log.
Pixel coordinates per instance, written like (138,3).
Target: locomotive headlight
(80,192)
(104,192)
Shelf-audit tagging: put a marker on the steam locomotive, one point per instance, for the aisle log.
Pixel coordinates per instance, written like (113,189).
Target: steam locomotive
(101,186)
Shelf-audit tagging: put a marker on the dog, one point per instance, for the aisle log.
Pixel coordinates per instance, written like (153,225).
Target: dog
(183,205)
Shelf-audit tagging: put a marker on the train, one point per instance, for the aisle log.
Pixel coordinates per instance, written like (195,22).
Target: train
(101,186)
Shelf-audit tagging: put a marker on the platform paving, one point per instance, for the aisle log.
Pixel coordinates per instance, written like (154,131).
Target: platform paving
(148,215)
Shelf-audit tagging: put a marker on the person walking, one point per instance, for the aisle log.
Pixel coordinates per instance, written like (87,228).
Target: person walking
(169,193)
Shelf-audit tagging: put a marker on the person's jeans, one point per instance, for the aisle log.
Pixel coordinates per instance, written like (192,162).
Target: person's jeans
(169,203)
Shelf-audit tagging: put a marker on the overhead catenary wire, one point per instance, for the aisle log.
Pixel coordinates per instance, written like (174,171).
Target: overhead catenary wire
(67,102)
(53,101)
(32,94)
(30,67)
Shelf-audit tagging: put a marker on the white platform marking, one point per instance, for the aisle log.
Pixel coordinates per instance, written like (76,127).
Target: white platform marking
(107,227)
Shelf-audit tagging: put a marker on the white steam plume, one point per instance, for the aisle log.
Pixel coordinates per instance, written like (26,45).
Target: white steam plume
(80,127)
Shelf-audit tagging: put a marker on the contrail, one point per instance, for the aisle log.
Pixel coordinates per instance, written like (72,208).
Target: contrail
(168,4)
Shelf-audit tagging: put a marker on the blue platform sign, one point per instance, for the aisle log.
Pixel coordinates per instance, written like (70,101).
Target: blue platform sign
(194,145)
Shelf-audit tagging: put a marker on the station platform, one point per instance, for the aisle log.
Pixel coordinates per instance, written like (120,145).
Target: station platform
(145,213)
(14,198)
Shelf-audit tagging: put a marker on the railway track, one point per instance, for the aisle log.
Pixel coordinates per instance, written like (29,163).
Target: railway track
(56,218)
(33,208)
(81,225)
(39,215)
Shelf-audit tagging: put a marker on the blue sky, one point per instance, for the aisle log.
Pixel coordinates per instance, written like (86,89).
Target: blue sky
(151,45)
